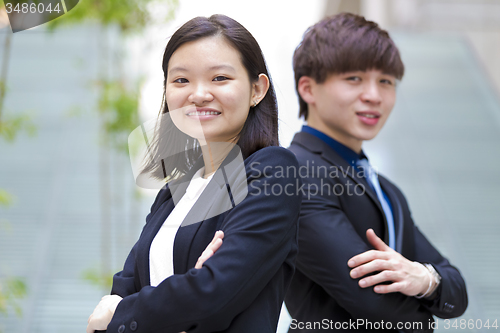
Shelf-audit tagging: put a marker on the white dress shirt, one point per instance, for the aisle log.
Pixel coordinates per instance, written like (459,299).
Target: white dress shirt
(161,260)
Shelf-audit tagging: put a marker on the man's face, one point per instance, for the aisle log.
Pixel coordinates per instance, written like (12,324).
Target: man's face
(352,107)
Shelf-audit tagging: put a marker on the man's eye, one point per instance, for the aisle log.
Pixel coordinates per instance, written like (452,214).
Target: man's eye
(220,78)
(181,80)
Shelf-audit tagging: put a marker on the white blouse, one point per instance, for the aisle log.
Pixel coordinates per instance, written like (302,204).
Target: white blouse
(161,253)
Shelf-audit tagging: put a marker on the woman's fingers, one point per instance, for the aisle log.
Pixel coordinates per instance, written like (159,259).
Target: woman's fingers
(218,235)
(214,245)
(103,312)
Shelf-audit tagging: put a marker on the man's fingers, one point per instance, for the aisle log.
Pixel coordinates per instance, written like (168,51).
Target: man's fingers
(365,257)
(376,265)
(381,251)
(376,279)
(390,288)
(375,241)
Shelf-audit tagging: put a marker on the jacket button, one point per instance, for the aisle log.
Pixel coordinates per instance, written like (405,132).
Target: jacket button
(133,325)
(448,307)
(121,329)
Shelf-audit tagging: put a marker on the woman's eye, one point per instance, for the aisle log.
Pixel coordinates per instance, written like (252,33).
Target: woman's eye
(353,78)
(220,78)
(386,81)
(181,80)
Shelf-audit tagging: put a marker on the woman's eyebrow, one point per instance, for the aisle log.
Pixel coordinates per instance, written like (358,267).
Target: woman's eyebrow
(212,68)
(224,67)
(177,69)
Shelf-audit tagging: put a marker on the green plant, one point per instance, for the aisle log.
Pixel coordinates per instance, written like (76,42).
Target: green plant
(96,278)
(11,126)
(119,108)
(10,291)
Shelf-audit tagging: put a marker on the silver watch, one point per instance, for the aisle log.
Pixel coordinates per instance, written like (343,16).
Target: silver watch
(434,273)
(436,278)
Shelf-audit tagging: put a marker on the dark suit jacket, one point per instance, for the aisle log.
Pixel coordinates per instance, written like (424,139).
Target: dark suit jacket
(332,229)
(242,287)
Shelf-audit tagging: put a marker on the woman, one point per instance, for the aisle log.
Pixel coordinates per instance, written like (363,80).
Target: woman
(220,108)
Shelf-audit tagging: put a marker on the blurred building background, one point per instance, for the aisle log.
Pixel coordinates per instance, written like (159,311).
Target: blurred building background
(441,144)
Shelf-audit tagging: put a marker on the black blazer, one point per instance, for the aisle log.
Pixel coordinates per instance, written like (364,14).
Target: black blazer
(332,229)
(242,287)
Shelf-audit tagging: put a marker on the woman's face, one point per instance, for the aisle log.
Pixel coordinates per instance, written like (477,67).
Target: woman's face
(208,91)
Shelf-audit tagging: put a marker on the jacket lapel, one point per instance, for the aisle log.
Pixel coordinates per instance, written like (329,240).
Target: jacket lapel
(318,146)
(215,199)
(213,193)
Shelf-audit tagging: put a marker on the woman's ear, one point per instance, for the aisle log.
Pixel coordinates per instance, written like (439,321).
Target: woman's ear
(259,89)
(305,89)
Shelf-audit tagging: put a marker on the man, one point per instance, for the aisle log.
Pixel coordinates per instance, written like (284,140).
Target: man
(348,278)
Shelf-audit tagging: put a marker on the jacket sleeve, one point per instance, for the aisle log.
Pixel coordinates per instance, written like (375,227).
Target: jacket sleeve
(259,233)
(123,281)
(451,298)
(327,240)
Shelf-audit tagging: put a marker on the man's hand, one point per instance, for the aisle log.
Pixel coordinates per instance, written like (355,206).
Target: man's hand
(409,278)
(104,311)
(211,249)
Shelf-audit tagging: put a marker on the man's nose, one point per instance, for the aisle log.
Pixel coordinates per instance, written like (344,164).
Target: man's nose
(371,93)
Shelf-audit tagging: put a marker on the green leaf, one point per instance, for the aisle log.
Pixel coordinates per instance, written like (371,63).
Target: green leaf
(10,126)
(11,290)
(119,108)
(16,287)
(6,198)
(97,279)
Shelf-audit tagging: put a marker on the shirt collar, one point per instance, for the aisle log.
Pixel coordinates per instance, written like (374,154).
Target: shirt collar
(345,152)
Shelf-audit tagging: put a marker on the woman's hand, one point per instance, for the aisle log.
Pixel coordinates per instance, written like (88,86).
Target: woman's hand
(407,277)
(103,312)
(211,249)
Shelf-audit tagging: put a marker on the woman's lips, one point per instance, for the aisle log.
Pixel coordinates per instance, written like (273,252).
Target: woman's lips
(369,117)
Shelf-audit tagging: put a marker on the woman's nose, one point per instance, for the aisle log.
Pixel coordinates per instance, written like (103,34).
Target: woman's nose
(200,95)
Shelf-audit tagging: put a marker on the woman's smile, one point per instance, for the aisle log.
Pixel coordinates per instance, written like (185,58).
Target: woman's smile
(203,113)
